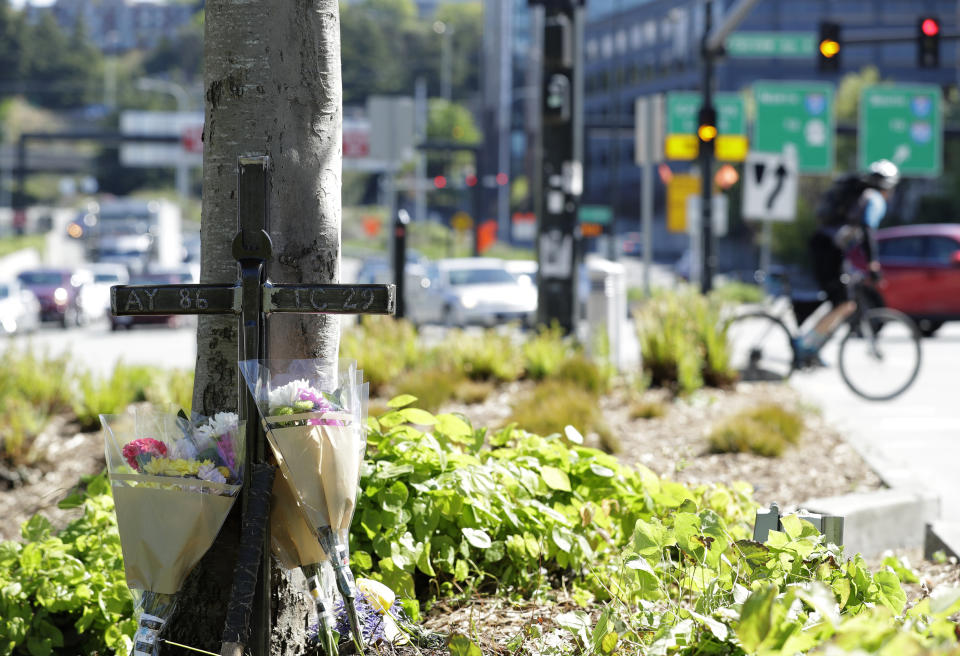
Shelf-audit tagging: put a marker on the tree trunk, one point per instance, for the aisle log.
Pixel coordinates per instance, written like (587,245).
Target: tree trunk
(273,86)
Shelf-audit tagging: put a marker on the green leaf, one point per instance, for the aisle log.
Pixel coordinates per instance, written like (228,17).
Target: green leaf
(460,645)
(401,401)
(453,427)
(556,479)
(561,538)
(756,618)
(792,526)
(600,470)
(423,561)
(477,537)
(891,592)
(576,622)
(650,539)
(36,528)
(361,560)
(609,642)
(417,416)
(841,588)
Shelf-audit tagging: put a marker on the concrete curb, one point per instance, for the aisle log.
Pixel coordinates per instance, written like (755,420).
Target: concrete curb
(942,536)
(877,521)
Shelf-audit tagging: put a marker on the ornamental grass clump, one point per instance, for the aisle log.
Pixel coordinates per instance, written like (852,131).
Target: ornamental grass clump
(555,404)
(766,430)
(490,356)
(545,352)
(32,390)
(383,348)
(683,341)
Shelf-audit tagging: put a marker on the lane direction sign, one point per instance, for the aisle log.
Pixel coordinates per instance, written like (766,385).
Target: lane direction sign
(770,186)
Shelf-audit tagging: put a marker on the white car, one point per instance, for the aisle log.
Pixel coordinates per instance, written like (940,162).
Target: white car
(470,290)
(19,309)
(95,294)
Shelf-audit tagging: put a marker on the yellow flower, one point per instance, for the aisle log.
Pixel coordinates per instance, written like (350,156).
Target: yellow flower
(172,467)
(224,472)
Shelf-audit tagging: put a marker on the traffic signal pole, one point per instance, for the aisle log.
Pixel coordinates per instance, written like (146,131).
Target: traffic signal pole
(706,157)
(560,177)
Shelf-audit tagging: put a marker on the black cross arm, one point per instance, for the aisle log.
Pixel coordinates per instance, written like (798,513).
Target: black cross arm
(128,300)
(330,299)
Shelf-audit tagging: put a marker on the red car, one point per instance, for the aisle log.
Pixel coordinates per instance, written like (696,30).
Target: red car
(921,272)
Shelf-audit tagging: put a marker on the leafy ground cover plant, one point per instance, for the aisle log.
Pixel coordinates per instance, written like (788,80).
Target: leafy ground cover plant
(65,593)
(765,430)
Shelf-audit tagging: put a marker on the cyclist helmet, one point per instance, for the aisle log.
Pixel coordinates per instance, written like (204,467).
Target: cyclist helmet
(883,174)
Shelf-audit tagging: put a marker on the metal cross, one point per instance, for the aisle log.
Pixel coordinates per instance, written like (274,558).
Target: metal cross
(251,299)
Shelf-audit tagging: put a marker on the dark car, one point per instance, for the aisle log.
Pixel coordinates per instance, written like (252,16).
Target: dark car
(184,277)
(921,272)
(58,291)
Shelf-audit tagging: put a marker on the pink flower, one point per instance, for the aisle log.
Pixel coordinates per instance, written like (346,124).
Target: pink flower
(320,404)
(139,452)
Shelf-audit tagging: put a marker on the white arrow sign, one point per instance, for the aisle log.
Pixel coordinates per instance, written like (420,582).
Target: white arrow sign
(770,186)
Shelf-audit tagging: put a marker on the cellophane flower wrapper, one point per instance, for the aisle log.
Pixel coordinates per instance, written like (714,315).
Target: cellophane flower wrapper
(174,480)
(314,420)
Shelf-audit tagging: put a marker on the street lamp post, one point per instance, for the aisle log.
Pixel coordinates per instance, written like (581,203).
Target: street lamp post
(446,65)
(183,105)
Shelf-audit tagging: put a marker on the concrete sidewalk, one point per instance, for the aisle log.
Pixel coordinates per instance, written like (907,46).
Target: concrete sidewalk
(913,441)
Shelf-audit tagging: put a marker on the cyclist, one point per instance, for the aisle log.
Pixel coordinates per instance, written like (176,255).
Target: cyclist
(849,213)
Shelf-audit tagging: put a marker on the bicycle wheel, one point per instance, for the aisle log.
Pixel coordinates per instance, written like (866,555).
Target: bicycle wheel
(761,347)
(879,357)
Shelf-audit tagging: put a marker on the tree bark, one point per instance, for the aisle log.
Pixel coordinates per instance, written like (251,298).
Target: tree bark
(273,86)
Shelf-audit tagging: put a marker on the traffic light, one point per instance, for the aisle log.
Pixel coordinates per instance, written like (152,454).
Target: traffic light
(707,128)
(828,50)
(928,42)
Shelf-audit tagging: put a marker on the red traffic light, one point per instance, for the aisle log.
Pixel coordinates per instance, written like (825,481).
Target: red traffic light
(930,27)
(502,179)
(471,180)
(440,182)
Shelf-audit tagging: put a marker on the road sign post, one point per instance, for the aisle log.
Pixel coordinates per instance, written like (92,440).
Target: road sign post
(902,123)
(252,299)
(797,113)
(649,134)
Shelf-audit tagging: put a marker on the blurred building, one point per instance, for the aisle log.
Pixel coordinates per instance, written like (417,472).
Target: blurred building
(637,47)
(120,25)
(634,48)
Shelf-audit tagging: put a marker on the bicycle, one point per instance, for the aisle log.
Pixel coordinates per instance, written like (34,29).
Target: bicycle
(878,356)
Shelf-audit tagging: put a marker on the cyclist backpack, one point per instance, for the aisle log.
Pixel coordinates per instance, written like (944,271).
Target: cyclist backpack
(838,203)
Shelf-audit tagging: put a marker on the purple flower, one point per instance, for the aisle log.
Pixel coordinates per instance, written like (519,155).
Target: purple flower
(320,404)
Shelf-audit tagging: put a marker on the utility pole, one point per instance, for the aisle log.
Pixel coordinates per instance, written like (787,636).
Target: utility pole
(560,173)
(707,111)
(183,105)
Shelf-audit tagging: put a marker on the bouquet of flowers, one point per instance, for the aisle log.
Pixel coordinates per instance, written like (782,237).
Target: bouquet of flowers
(174,482)
(314,422)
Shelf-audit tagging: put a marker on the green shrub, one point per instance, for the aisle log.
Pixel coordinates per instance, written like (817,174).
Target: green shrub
(66,593)
(545,352)
(586,374)
(765,430)
(683,341)
(741,434)
(490,356)
(432,386)
(647,410)
(473,391)
(130,384)
(32,389)
(383,347)
(553,405)
(787,423)
(736,292)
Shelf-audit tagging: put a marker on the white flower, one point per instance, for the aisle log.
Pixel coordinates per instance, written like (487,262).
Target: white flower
(223,423)
(208,472)
(184,450)
(287,394)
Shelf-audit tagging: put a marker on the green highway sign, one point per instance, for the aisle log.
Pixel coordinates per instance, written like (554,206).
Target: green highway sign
(771,44)
(902,123)
(798,113)
(602,214)
(683,107)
